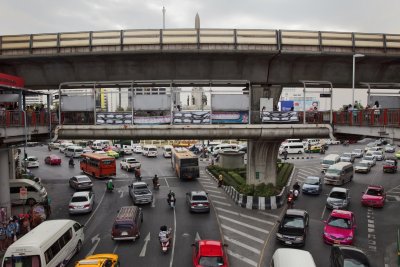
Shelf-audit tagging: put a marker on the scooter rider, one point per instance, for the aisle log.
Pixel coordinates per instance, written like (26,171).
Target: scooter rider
(165,234)
(171,196)
(296,189)
(71,162)
(110,185)
(155,181)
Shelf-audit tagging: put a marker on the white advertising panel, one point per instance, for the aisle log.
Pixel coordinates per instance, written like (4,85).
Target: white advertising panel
(152,102)
(77,103)
(223,102)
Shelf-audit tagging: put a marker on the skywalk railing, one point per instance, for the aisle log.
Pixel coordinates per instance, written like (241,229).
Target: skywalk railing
(261,40)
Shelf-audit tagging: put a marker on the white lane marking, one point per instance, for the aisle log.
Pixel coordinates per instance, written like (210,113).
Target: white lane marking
(209,186)
(94,212)
(301,171)
(245,216)
(256,239)
(244,224)
(144,248)
(323,213)
(268,214)
(207,183)
(171,261)
(166,182)
(95,241)
(240,257)
(216,196)
(203,179)
(240,244)
(153,203)
(218,192)
(115,248)
(197,238)
(221,203)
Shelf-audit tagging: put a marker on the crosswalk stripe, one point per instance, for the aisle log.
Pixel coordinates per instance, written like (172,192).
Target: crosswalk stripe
(240,257)
(306,172)
(221,197)
(214,191)
(204,182)
(245,216)
(240,244)
(256,239)
(209,186)
(269,214)
(221,203)
(244,224)
(203,179)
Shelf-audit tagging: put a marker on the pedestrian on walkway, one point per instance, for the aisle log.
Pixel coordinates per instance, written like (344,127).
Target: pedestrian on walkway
(220,180)
(3,237)
(10,232)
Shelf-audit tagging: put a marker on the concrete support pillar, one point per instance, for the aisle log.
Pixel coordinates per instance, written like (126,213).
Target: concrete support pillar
(11,160)
(257,92)
(261,161)
(5,181)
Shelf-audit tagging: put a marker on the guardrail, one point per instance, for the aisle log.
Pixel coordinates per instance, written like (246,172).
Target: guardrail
(16,118)
(370,117)
(203,39)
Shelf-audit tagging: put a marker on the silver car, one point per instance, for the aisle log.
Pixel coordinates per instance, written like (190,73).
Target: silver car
(378,155)
(81,182)
(81,202)
(362,167)
(338,198)
(358,152)
(198,201)
(370,159)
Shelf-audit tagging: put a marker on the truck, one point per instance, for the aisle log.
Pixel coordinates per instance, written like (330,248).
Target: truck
(140,193)
(130,164)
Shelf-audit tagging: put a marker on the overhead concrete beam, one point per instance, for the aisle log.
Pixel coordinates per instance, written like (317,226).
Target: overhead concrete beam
(384,132)
(172,132)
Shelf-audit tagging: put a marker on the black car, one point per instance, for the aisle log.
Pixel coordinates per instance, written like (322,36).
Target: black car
(348,256)
(293,227)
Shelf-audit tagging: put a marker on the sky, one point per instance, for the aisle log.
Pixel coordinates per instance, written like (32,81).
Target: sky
(50,16)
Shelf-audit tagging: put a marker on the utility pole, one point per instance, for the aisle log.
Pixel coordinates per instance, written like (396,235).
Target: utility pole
(163,17)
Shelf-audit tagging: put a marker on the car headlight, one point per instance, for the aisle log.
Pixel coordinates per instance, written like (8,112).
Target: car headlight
(349,238)
(279,235)
(326,234)
(299,238)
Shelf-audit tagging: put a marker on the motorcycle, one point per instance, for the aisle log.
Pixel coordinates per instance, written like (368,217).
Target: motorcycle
(156,185)
(110,188)
(165,243)
(71,164)
(171,202)
(290,201)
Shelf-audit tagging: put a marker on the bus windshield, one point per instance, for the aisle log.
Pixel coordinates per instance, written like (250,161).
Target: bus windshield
(22,261)
(189,162)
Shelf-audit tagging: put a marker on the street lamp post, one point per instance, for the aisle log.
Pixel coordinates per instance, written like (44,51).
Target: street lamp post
(354,70)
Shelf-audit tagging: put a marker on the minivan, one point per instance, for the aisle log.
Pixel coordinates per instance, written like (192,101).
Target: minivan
(223,147)
(149,151)
(291,148)
(339,173)
(36,191)
(73,151)
(127,223)
(328,161)
(284,257)
(167,150)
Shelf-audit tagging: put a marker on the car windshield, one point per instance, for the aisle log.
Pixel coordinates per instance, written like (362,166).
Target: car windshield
(79,199)
(131,160)
(123,226)
(357,150)
(22,261)
(333,171)
(377,153)
(339,222)
(199,198)
(152,149)
(293,222)
(211,261)
(374,192)
(347,155)
(329,162)
(83,179)
(362,164)
(338,195)
(345,159)
(312,181)
(369,158)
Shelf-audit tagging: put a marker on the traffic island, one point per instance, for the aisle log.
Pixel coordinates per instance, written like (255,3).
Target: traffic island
(272,197)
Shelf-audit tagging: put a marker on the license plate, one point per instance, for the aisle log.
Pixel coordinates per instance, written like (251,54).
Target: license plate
(200,205)
(124,233)
(288,242)
(336,241)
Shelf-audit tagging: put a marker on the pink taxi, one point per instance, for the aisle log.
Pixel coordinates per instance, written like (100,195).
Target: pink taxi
(374,196)
(340,228)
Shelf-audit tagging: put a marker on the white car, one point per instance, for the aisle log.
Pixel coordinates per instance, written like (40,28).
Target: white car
(87,150)
(358,153)
(127,150)
(100,152)
(389,148)
(378,155)
(31,162)
(137,149)
(81,202)
(370,159)
(332,142)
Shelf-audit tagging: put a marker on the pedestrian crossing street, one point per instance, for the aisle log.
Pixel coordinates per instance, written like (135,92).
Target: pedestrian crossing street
(244,231)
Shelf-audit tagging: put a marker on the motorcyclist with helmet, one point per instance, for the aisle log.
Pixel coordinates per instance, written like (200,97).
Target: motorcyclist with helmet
(156,185)
(110,185)
(171,197)
(296,189)
(71,162)
(165,234)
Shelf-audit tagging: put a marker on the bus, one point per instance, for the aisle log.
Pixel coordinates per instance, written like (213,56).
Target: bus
(185,163)
(98,165)
(52,243)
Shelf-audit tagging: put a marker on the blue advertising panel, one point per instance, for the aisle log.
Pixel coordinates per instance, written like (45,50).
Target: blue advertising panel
(287,105)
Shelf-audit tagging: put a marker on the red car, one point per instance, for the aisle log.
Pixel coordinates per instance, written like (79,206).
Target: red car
(340,228)
(52,160)
(209,253)
(374,196)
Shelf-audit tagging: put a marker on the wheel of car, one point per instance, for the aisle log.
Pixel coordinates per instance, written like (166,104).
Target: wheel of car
(138,235)
(78,247)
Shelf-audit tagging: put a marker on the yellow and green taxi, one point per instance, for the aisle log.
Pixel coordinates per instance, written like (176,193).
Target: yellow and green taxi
(313,149)
(99,260)
(112,153)
(397,155)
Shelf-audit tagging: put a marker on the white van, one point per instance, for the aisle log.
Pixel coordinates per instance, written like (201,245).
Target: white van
(52,243)
(292,140)
(167,151)
(328,161)
(339,173)
(64,146)
(284,257)
(149,151)
(291,148)
(100,144)
(127,150)
(36,191)
(223,147)
(73,151)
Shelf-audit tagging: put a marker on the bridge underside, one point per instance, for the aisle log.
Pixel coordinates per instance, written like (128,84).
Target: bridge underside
(260,68)
(195,132)
(16,135)
(383,132)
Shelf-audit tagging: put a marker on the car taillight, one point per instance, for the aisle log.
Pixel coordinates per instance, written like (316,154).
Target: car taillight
(194,204)
(86,206)
(71,207)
